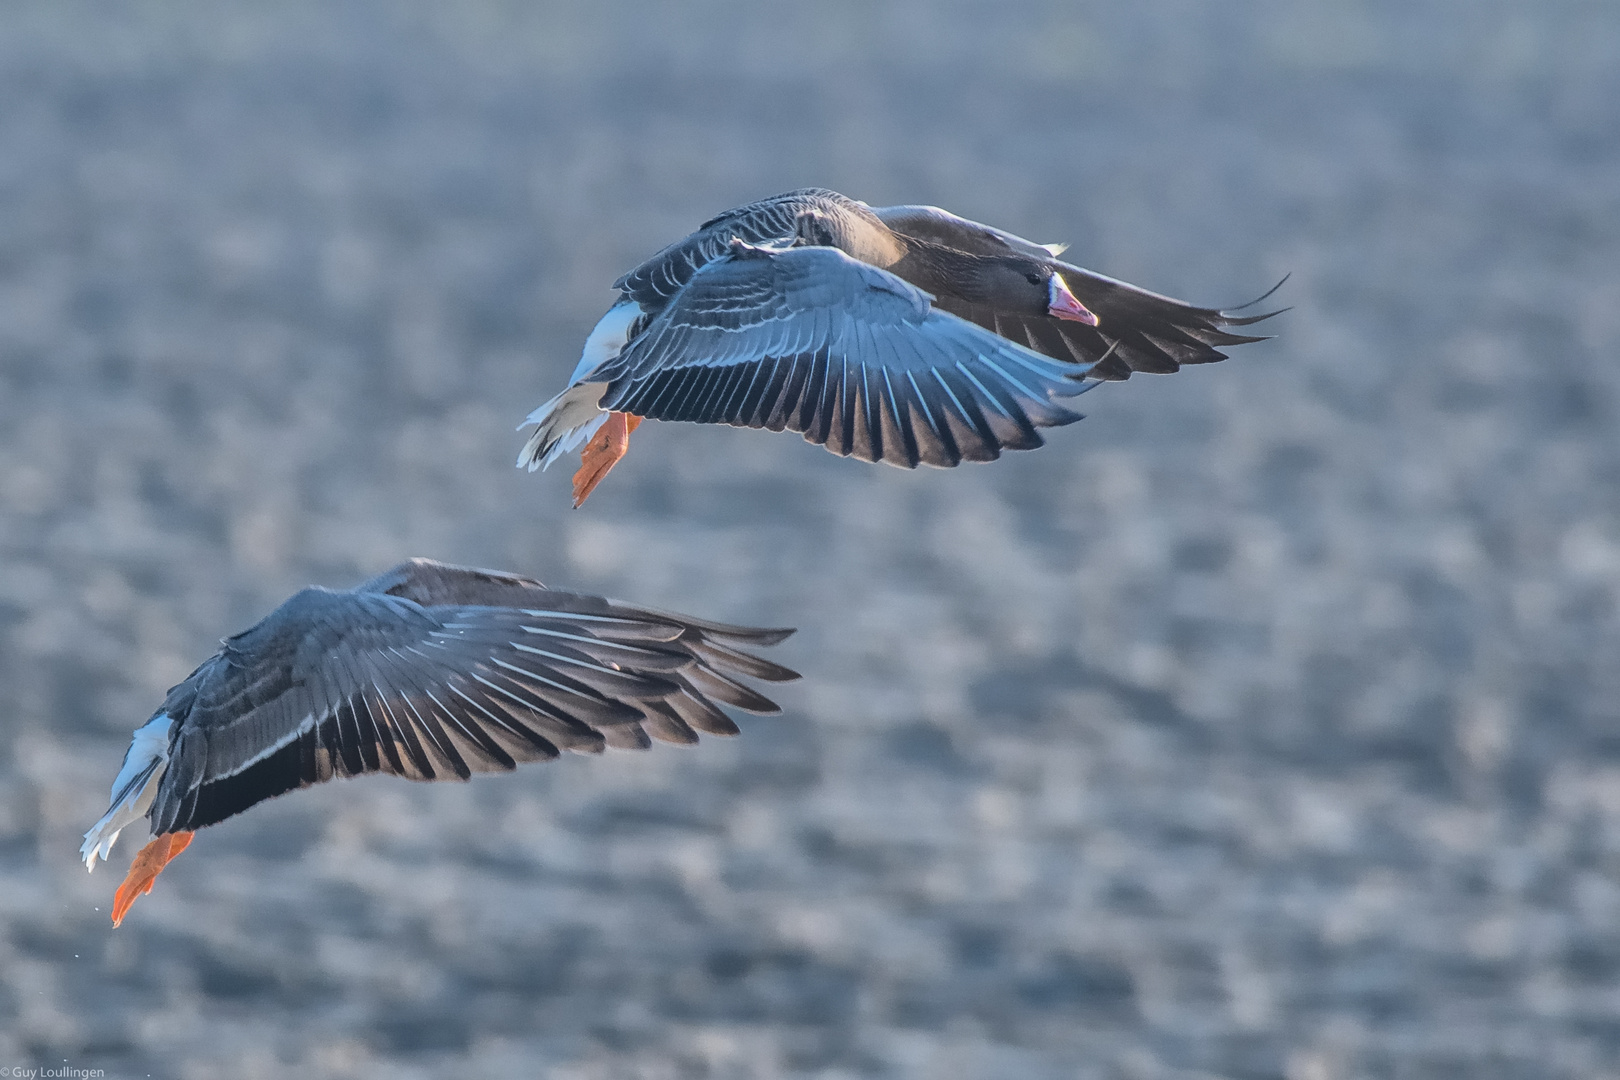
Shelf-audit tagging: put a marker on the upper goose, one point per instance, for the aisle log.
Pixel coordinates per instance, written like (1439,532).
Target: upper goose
(902,334)
(431,672)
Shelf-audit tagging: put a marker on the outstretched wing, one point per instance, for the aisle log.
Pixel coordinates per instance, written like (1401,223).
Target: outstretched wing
(1136,330)
(336,684)
(773,220)
(429,583)
(942,227)
(809,340)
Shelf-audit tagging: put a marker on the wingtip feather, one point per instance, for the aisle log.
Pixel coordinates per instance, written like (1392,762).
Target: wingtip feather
(1260,298)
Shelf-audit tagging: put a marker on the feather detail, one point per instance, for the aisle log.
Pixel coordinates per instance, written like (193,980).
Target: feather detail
(134,788)
(563,425)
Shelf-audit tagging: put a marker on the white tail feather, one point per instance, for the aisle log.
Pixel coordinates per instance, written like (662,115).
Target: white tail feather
(562,425)
(133,790)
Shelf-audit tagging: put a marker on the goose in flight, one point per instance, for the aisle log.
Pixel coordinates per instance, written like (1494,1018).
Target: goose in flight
(902,334)
(431,672)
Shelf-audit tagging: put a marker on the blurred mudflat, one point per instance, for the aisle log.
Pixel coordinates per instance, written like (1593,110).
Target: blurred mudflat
(1265,724)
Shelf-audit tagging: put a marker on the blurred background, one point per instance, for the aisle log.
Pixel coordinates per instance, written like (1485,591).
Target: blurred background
(1264,725)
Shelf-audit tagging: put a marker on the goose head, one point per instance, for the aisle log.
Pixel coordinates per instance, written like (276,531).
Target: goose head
(1061,303)
(1025,287)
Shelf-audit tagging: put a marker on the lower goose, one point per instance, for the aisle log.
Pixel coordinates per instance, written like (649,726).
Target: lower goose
(431,672)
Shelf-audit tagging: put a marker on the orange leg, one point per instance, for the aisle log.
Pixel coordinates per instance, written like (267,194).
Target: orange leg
(602,453)
(148,864)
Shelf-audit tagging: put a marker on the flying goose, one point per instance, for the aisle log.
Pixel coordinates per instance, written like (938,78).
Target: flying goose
(902,334)
(431,672)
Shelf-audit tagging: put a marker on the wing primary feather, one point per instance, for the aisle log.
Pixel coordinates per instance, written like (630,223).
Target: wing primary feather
(790,395)
(771,394)
(651,400)
(504,723)
(372,744)
(1261,297)
(817,406)
(525,700)
(903,420)
(651,656)
(578,712)
(696,382)
(407,730)
(848,404)
(1022,434)
(715,685)
(938,428)
(309,770)
(701,713)
(577,616)
(736,403)
(1043,368)
(1250,320)
(563,658)
(713,389)
(665,725)
(872,410)
(350,742)
(1009,378)
(388,751)
(742,378)
(439,739)
(747,635)
(983,390)
(474,731)
(573,691)
(969,412)
(735,662)
(763,391)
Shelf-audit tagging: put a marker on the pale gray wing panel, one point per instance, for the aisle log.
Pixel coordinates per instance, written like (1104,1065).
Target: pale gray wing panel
(339,684)
(852,357)
(655,281)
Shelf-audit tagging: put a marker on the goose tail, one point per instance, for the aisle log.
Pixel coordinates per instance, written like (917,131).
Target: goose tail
(133,790)
(562,425)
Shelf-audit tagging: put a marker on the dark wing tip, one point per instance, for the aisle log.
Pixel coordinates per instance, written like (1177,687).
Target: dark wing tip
(752,635)
(1250,320)
(1263,295)
(763,636)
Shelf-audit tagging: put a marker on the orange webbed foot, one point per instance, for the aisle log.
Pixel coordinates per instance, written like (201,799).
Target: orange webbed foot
(602,453)
(148,864)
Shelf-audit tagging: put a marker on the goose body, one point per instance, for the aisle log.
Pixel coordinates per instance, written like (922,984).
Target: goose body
(901,334)
(431,672)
